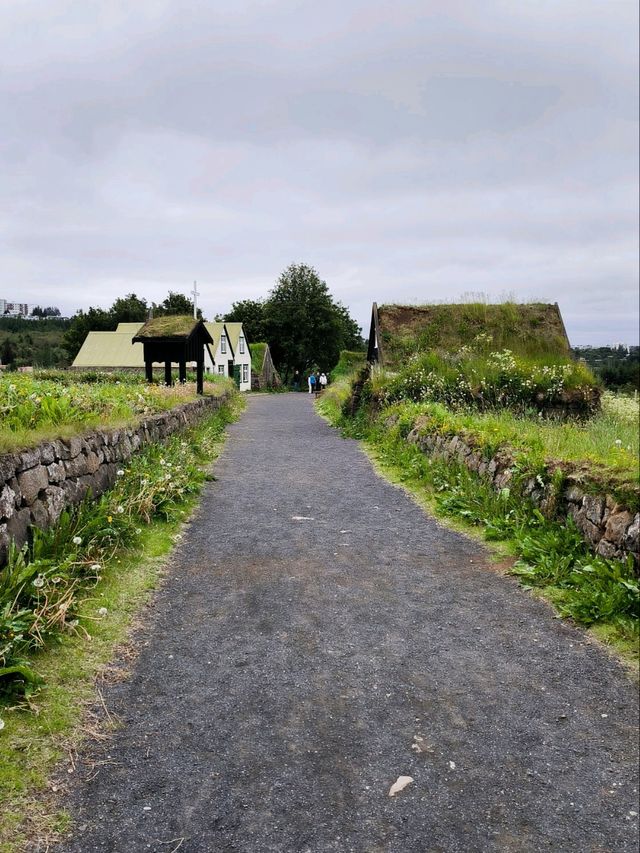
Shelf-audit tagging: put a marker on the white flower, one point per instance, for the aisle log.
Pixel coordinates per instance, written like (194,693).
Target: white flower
(77,540)
(102,611)
(618,442)
(39,581)
(162,462)
(95,567)
(120,510)
(120,472)
(56,580)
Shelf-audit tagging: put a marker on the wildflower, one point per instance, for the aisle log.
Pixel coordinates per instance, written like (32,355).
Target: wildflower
(95,567)
(109,518)
(618,442)
(120,510)
(102,611)
(162,462)
(38,582)
(120,472)
(56,580)
(77,540)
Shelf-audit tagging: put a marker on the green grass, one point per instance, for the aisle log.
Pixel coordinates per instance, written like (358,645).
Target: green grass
(39,734)
(35,409)
(526,329)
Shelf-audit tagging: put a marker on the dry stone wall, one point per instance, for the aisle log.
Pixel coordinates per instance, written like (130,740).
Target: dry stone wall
(36,485)
(610,529)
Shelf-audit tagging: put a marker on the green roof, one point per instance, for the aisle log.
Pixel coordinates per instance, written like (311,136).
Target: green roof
(215,330)
(171,326)
(109,349)
(257,356)
(527,329)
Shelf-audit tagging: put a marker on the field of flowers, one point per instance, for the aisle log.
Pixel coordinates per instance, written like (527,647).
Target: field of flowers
(34,408)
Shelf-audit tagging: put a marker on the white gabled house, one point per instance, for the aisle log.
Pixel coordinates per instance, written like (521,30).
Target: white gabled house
(231,356)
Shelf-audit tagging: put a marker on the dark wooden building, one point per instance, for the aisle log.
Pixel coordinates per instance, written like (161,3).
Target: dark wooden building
(174,339)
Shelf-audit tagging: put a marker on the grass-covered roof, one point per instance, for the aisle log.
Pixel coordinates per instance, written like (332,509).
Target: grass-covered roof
(171,326)
(531,329)
(257,355)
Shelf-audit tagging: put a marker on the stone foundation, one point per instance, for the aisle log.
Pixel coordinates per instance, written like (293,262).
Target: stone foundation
(36,485)
(610,529)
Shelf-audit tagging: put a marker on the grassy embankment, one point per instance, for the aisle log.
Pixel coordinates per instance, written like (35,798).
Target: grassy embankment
(68,604)
(59,404)
(551,555)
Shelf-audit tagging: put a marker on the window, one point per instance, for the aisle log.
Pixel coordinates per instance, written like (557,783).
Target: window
(223,343)
(241,343)
(245,371)
(221,369)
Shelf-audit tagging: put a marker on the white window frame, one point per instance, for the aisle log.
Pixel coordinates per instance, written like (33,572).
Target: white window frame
(241,343)
(223,343)
(221,370)
(245,372)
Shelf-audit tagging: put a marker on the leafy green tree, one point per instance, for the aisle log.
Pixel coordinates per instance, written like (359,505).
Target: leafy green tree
(249,312)
(175,303)
(7,354)
(305,328)
(129,309)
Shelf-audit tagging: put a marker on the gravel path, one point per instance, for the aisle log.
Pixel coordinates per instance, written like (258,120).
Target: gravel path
(320,636)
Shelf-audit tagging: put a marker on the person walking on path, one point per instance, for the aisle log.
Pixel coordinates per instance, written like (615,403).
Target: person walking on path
(323,381)
(312,382)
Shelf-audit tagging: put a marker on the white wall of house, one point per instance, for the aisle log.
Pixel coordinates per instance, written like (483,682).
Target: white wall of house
(229,345)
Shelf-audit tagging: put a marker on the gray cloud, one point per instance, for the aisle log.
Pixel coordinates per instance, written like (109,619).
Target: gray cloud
(410,151)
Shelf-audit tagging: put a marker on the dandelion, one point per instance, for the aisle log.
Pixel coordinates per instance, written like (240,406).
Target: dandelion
(77,540)
(38,582)
(109,518)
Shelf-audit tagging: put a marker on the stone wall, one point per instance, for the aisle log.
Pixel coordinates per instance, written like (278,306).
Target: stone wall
(36,485)
(610,529)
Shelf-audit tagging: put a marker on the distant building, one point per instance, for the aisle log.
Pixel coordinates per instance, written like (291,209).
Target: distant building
(13,309)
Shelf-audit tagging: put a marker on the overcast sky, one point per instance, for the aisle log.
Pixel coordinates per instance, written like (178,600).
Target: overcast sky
(410,151)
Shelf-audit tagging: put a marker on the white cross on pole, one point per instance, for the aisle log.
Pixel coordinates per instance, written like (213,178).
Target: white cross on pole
(195,295)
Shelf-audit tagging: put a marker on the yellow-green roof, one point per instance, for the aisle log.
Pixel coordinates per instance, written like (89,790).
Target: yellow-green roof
(215,330)
(132,328)
(234,330)
(109,349)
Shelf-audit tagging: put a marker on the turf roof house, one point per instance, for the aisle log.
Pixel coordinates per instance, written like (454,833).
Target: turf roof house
(172,339)
(230,355)
(263,370)
(399,331)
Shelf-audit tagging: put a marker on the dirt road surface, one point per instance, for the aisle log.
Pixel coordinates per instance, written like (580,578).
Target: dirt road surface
(318,636)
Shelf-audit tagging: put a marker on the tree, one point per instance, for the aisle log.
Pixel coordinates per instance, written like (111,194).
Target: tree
(7,354)
(251,313)
(304,327)
(175,303)
(129,309)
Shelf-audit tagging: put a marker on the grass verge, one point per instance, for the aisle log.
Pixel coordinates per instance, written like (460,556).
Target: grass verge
(42,734)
